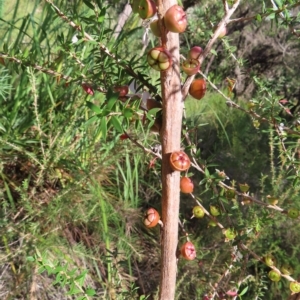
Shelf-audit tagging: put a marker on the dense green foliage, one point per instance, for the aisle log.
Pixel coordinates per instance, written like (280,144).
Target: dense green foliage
(74,188)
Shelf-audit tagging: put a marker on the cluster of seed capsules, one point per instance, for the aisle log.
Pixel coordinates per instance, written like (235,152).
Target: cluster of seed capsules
(159,58)
(179,161)
(275,274)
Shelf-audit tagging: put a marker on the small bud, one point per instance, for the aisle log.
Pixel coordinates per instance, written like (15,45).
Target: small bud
(251,105)
(230,234)
(272,200)
(230,194)
(246,201)
(212,223)
(214,210)
(256,124)
(270,260)
(244,187)
(286,270)
(222,175)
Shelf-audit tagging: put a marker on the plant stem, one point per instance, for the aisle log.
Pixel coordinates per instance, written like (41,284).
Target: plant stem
(170,139)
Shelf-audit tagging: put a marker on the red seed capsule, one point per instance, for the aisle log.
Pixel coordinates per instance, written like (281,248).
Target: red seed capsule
(188,251)
(180,161)
(151,218)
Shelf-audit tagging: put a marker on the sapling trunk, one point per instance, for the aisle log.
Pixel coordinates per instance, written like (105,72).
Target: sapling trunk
(170,139)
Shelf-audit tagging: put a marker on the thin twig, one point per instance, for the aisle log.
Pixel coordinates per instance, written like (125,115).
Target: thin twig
(226,8)
(265,15)
(207,212)
(137,143)
(162,27)
(209,45)
(104,49)
(230,103)
(250,112)
(51,72)
(281,139)
(240,245)
(258,258)
(220,183)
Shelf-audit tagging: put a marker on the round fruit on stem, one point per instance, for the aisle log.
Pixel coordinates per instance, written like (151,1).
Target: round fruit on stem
(159,59)
(121,89)
(230,194)
(191,66)
(147,9)
(188,251)
(230,234)
(293,213)
(270,260)
(274,275)
(214,210)
(151,218)
(286,269)
(244,187)
(179,161)
(212,223)
(198,212)
(186,185)
(175,19)
(198,88)
(195,52)
(295,287)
